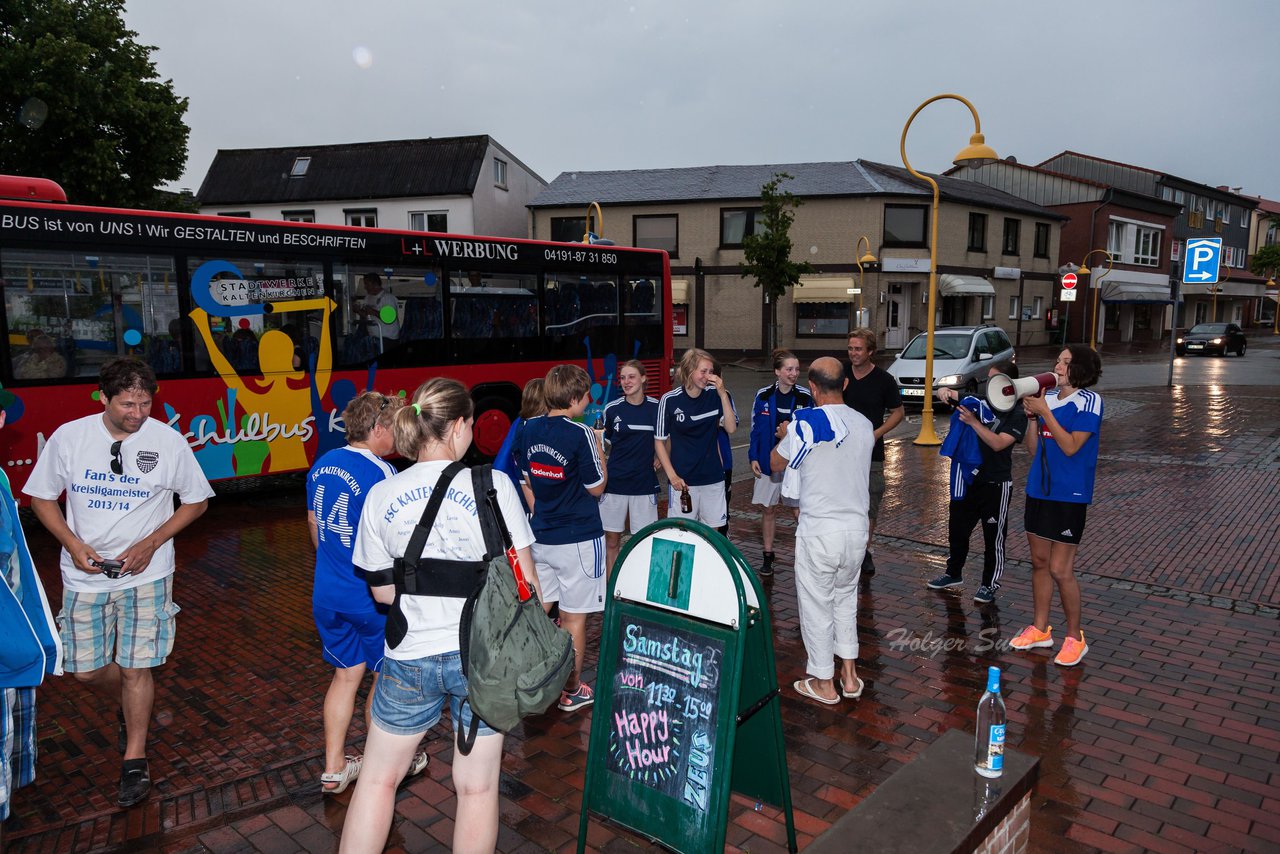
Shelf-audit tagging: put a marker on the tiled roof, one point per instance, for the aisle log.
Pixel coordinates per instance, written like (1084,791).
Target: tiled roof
(740,183)
(364,170)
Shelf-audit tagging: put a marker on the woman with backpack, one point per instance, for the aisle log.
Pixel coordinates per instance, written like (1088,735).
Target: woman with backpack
(422,670)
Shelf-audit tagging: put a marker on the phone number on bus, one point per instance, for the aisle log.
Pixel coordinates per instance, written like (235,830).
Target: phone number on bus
(579,256)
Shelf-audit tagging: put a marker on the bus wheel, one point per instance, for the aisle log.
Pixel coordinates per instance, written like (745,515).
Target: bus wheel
(493,420)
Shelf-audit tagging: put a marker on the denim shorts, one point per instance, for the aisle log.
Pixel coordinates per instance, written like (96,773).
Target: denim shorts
(410,695)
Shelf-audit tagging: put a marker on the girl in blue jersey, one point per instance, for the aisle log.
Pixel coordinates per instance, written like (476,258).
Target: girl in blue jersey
(1063,440)
(773,406)
(352,626)
(631,494)
(532,404)
(687,440)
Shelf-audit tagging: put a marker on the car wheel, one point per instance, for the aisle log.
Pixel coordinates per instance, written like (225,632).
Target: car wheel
(1240,350)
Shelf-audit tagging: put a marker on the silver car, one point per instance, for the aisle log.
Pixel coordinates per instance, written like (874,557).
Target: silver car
(962,356)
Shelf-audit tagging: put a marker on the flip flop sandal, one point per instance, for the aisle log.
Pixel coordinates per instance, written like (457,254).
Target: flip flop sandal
(342,779)
(804,689)
(855,694)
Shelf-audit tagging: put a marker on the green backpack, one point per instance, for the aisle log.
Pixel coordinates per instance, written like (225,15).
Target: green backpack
(515,658)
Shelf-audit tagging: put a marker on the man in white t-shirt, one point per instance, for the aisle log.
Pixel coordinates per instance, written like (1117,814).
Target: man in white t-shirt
(828,448)
(120,471)
(381,306)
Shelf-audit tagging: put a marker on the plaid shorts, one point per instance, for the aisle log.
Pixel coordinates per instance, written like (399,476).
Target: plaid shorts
(133,627)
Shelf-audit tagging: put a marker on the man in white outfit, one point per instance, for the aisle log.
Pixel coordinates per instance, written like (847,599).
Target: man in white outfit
(828,452)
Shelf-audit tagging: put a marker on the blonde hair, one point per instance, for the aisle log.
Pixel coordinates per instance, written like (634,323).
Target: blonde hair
(533,401)
(436,404)
(565,385)
(689,363)
(367,409)
(868,337)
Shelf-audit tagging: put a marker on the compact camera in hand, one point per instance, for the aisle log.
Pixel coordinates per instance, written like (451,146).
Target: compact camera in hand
(110,568)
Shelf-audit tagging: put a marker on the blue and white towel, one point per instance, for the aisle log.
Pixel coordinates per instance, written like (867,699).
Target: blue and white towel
(812,427)
(964,447)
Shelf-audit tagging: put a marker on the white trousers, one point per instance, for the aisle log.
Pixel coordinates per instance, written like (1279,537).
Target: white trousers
(827,570)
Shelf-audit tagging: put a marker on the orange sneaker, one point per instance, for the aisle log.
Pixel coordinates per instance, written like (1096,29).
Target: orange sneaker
(1031,637)
(1072,652)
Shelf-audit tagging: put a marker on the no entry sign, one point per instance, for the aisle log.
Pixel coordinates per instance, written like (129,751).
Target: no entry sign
(1068,280)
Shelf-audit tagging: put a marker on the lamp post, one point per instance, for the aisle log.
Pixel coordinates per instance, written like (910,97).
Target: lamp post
(865,258)
(586,237)
(1275,315)
(1217,286)
(975,154)
(1096,286)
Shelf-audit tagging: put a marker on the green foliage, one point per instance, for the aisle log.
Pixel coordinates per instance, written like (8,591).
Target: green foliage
(83,105)
(1266,261)
(768,250)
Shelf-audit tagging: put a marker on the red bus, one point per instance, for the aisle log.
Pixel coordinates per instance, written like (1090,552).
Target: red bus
(256,330)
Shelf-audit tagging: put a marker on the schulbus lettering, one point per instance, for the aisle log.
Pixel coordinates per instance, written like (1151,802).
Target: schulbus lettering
(469,249)
(257,428)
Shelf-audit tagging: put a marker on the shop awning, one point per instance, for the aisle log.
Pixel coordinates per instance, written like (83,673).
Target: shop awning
(680,291)
(951,285)
(1122,291)
(823,290)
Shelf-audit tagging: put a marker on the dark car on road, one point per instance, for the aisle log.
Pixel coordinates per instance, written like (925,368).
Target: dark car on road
(1219,338)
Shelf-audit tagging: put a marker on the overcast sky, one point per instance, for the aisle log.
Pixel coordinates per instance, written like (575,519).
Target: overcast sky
(1182,87)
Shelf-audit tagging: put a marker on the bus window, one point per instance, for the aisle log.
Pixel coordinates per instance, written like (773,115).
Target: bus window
(643,305)
(383,310)
(576,303)
(69,312)
(260,295)
(484,305)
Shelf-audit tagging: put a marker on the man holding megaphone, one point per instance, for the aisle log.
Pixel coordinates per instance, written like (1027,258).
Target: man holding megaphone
(1063,441)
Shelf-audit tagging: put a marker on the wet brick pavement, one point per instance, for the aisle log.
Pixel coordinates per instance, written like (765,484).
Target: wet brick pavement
(1167,738)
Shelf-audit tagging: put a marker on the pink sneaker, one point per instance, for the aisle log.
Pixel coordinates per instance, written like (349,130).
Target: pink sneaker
(1072,652)
(1031,637)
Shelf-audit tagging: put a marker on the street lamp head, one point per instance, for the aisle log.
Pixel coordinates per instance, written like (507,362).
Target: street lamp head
(976,153)
(868,258)
(1083,271)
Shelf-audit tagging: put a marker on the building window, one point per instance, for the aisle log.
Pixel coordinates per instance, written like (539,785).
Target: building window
(737,223)
(823,318)
(364,217)
(977,232)
(500,172)
(1037,306)
(1013,308)
(1177,197)
(298,216)
(988,306)
(568,229)
(1166,193)
(904,225)
(657,231)
(428,220)
(1012,234)
(1146,246)
(1042,240)
(1175,251)
(300,166)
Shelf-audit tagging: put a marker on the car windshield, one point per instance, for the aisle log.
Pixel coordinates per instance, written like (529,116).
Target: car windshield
(1208,329)
(944,346)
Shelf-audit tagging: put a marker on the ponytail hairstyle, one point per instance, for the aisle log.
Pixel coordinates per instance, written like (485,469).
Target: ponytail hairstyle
(436,404)
(780,357)
(689,363)
(367,410)
(533,401)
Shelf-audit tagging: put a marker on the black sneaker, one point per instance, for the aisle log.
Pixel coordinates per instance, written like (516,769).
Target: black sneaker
(766,568)
(135,782)
(868,565)
(942,582)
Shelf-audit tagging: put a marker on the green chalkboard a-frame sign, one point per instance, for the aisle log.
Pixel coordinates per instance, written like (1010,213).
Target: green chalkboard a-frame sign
(687,707)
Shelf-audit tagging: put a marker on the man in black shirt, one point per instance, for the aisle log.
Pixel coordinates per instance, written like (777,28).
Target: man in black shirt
(986,499)
(872,392)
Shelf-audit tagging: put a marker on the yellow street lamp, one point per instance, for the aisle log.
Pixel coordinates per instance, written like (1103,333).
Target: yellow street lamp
(1096,285)
(1275,327)
(865,258)
(586,237)
(975,154)
(1217,286)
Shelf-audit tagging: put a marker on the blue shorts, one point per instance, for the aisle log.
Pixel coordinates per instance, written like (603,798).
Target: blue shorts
(350,640)
(410,695)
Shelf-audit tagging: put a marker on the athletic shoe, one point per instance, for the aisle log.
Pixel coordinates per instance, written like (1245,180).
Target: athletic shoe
(942,582)
(1072,652)
(419,764)
(1031,637)
(868,565)
(984,595)
(766,567)
(579,698)
(135,782)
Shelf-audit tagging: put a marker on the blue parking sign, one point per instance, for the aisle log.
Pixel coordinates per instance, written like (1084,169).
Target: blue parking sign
(1203,257)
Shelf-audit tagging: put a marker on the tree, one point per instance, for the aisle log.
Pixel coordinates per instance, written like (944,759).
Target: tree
(1266,261)
(91,111)
(768,249)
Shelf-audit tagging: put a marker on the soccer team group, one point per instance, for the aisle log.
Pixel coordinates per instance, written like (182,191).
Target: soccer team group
(816,448)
